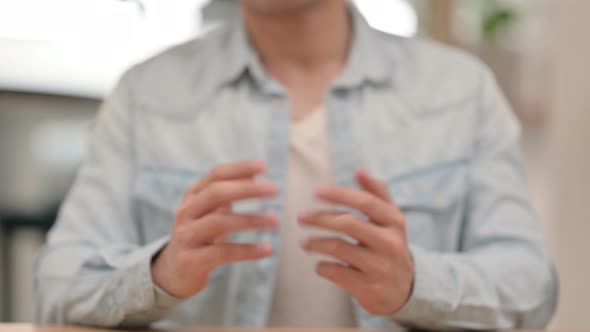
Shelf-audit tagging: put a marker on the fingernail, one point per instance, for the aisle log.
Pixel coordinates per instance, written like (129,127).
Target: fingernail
(259,164)
(266,187)
(362,172)
(265,248)
(321,191)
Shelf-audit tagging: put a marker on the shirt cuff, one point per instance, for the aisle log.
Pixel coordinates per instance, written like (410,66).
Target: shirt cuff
(146,301)
(164,300)
(424,307)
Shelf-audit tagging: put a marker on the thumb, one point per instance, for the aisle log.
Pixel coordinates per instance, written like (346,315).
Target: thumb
(372,185)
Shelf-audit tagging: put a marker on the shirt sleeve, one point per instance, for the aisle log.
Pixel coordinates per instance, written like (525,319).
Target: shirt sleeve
(502,277)
(95,269)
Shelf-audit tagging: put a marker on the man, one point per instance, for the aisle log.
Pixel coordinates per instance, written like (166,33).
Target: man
(404,153)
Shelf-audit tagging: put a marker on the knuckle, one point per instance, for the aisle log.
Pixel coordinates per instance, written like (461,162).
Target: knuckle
(182,211)
(393,244)
(214,192)
(216,224)
(336,246)
(367,203)
(349,224)
(216,172)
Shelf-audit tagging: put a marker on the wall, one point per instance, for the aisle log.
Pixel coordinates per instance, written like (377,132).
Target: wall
(42,140)
(570,137)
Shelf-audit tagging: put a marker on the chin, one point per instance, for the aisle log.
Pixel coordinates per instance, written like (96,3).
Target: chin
(277,6)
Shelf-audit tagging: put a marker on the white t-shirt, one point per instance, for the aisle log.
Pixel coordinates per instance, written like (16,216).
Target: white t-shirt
(302,298)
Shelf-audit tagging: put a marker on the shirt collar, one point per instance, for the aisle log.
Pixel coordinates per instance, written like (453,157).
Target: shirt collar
(366,63)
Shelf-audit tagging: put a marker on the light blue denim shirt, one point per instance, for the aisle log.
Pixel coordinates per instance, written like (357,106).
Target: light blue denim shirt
(428,120)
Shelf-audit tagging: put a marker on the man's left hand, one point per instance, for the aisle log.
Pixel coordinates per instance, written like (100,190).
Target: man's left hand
(377,270)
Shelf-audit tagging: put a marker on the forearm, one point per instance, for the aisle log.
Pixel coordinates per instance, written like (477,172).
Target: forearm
(91,288)
(492,289)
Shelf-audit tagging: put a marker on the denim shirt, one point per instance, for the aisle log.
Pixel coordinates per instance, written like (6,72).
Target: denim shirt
(428,120)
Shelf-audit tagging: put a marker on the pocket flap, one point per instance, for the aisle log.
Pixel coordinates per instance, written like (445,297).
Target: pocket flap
(435,188)
(164,187)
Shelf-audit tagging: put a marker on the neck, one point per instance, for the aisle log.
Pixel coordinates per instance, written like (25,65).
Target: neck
(307,38)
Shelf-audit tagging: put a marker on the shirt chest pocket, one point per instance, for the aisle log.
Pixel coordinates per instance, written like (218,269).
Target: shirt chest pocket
(433,202)
(159,192)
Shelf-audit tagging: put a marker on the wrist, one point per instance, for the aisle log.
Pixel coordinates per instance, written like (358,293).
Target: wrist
(159,268)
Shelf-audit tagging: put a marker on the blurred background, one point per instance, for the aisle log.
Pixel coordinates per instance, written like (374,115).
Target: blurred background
(60,58)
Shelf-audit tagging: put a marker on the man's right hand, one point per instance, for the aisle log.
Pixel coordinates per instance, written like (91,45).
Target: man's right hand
(204,219)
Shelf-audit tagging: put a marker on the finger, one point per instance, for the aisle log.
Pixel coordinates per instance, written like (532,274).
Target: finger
(346,278)
(225,208)
(355,256)
(220,225)
(230,171)
(378,210)
(222,193)
(372,185)
(379,189)
(366,233)
(221,239)
(226,253)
